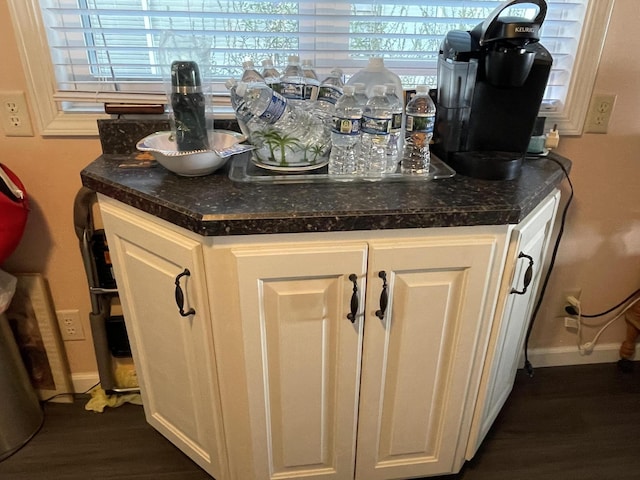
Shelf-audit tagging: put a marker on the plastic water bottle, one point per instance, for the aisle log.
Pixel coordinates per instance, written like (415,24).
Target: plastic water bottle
(271,110)
(345,135)
(312,82)
(394,147)
(329,93)
(376,125)
(250,74)
(270,74)
(360,93)
(243,115)
(375,73)
(292,81)
(420,119)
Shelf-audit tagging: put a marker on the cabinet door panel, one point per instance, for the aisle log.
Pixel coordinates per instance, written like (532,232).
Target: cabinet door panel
(418,360)
(173,354)
(302,357)
(530,238)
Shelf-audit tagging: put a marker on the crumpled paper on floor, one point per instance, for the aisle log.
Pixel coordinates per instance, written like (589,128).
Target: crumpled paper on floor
(100,400)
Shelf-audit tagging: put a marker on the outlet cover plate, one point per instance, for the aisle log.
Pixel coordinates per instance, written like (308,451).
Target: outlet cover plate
(575,292)
(14,114)
(70,325)
(599,113)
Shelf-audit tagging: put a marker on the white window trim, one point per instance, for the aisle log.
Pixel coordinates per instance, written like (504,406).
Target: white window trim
(51,121)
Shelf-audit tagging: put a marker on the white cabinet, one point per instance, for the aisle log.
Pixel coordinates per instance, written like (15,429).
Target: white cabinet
(326,356)
(291,365)
(417,367)
(523,271)
(173,354)
(322,395)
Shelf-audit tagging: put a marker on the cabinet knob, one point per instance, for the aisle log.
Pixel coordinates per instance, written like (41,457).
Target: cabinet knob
(354,298)
(180,295)
(384,296)
(527,276)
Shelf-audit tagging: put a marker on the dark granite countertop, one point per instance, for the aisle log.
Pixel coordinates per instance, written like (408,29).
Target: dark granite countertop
(216,205)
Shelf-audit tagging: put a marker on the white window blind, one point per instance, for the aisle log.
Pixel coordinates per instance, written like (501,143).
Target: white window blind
(78,54)
(120,48)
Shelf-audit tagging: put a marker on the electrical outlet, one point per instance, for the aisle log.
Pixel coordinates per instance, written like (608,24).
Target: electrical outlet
(15,115)
(599,113)
(70,324)
(576,292)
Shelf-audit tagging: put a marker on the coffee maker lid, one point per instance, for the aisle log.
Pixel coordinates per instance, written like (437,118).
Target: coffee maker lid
(517,29)
(513,28)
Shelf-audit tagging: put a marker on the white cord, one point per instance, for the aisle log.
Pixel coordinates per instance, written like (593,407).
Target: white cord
(579,333)
(587,348)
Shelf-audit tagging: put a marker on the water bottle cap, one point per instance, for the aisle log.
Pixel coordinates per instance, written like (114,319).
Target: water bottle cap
(348,89)
(267,62)
(422,89)
(375,63)
(241,89)
(307,63)
(293,59)
(248,64)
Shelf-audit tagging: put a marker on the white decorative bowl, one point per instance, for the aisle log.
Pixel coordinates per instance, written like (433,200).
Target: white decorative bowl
(192,163)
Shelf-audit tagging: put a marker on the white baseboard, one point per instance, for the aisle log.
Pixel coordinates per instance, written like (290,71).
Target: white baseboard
(562,356)
(84,381)
(539,357)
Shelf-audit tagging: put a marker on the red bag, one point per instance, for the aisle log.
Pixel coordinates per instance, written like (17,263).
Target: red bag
(14,208)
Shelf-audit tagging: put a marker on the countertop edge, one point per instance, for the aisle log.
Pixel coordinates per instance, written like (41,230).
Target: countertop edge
(230,223)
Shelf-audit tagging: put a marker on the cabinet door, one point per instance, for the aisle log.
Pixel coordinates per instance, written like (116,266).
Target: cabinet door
(172,353)
(524,260)
(418,358)
(301,355)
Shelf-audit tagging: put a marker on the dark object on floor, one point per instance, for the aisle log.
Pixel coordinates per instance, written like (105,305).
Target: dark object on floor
(625,365)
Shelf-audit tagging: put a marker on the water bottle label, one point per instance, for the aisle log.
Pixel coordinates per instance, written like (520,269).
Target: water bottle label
(376,126)
(275,109)
(329,94)
(396,122)
(420,123)
(346,126)
(293,91)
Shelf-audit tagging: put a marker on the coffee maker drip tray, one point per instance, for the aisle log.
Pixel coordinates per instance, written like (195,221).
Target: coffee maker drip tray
(490,165)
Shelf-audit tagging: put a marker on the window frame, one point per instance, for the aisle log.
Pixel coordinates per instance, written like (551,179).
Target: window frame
(51,121)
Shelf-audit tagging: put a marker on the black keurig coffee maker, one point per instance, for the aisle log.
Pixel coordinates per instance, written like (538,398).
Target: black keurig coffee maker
(490,85)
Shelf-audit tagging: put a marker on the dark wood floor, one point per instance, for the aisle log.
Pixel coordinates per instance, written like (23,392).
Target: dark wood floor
(564,423)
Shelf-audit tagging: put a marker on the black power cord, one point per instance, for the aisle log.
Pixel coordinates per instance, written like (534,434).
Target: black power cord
(527,364)
(73,394)
(42,402)
(571,310)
